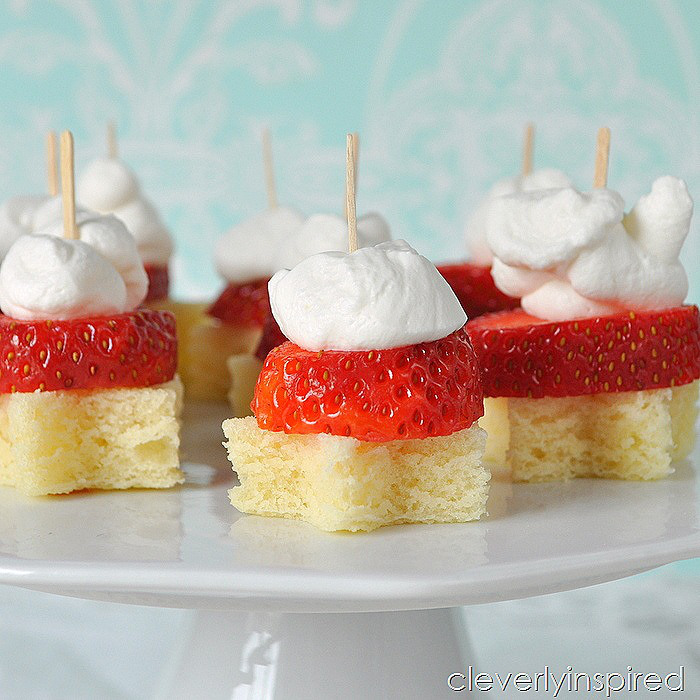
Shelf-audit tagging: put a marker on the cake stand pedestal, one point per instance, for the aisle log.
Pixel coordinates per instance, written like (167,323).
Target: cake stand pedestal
(305,656)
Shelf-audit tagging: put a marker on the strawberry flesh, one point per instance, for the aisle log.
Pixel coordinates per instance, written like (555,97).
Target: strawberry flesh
(158,282)
(272,336)
(523,356)
(473,285)
(243,304)
(134,349)
(412,392)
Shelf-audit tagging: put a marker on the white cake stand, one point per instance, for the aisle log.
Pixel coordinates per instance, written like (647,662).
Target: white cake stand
(269,592)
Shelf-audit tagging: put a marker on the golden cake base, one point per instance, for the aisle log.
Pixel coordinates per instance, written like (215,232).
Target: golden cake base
(628,435)
(340,483)
(61,441)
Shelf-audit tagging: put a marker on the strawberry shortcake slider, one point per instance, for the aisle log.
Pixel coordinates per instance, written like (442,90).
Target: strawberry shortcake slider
(108,186)
(599,370)
(367,415)
(89,396)
(245,258)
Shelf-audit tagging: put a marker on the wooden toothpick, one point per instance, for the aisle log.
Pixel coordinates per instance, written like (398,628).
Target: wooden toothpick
(355,160)
(112,150)
(269,170)
(356,154)
(51,163)
(528,148)
(350,192)
(602,152)
(70,229)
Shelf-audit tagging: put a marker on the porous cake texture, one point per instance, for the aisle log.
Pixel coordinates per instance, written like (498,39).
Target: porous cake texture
(495,423)
(61,441)
(629,435)
(244,370)
(209,344)
(340,483)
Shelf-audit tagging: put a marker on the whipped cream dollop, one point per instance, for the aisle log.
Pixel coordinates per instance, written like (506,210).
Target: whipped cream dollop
(475,233)
(249,251)
(321,233)
(378,297)
(571,254)
(16,219)
(107,186)
(45,275)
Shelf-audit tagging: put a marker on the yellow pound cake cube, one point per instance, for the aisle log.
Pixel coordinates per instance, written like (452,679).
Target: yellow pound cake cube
(209,343)
(340,483)
(244,370)
(60,441)
(627,435)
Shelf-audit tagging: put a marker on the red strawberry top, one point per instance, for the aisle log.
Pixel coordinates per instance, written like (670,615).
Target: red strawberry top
(474,287)
(523,356)
(134,349)
(245,304)
(404,393)
(158,282)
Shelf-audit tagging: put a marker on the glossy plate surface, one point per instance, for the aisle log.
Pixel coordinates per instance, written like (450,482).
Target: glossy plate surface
(188,546)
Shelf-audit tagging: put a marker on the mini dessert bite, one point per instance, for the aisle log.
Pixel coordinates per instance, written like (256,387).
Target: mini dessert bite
(472,281)
(89,395)
(367,416)
(220,345)
(232,326)
(109,186)
(598,372)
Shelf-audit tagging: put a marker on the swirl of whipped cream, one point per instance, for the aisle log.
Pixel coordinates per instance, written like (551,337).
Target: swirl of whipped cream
(569,254)
(475,233)
(108,186)
(16,216)
(45,277)
(249,251)
(110,238)
(321,233)
(378,297)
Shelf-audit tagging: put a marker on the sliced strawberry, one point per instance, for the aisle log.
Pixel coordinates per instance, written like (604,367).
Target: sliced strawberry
(272,336)
(474,287)
(126,350)
(158,282)
(521,355)
(416,391)
(243,304)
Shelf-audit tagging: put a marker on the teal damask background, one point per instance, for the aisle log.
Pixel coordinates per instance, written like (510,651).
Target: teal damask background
(438,89)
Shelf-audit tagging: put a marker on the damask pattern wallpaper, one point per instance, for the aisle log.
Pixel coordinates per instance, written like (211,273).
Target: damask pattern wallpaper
(438,90)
